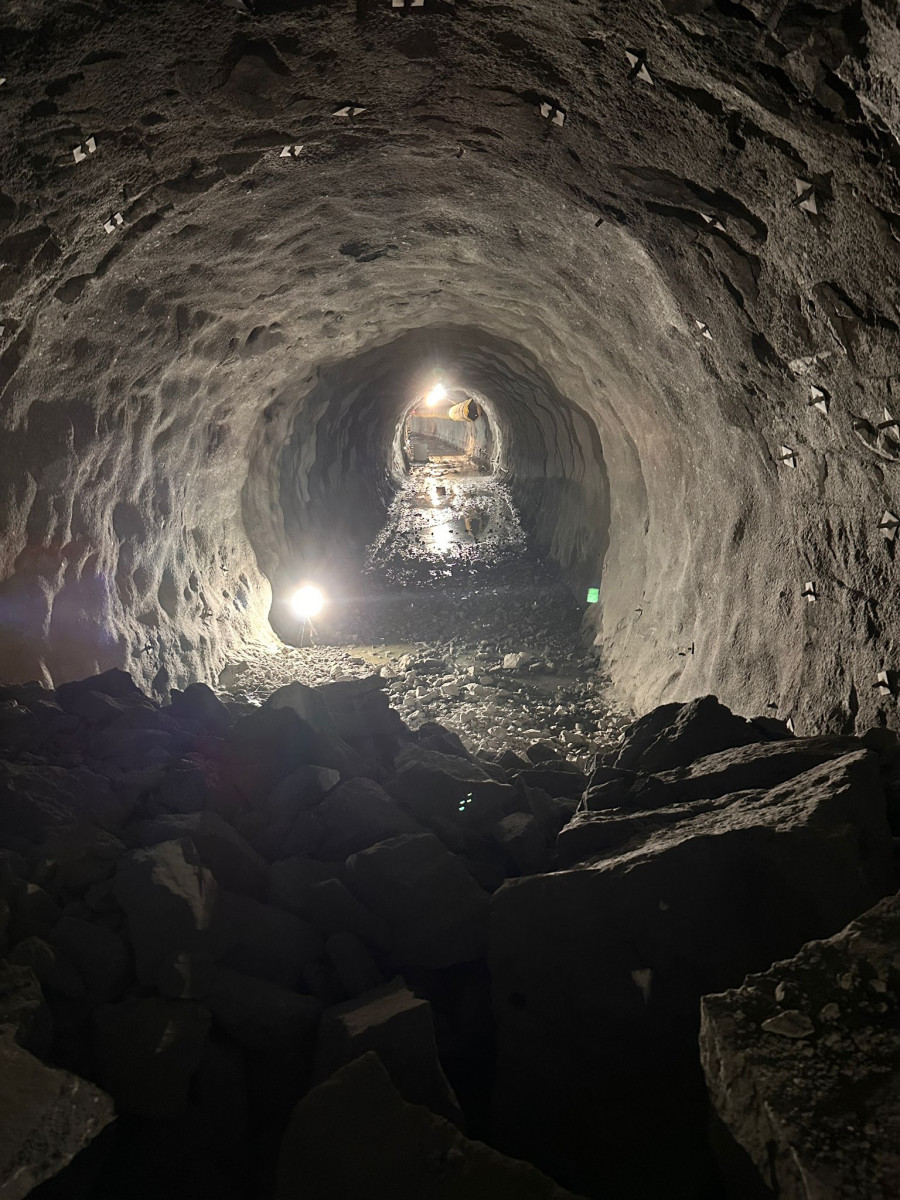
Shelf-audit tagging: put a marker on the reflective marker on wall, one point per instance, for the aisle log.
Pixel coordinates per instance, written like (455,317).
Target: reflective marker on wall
(593,595)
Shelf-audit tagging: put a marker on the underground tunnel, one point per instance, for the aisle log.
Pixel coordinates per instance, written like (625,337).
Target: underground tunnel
(448,607)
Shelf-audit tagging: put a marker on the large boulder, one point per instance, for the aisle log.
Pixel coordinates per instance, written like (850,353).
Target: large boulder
(357,814)
(598,970)
(436,911)
(146,1052)
(397,1025)
(232,860)
(355,1136)
(676,734)
(292,879)
(261,940)
(168,898)
(46,1118)
(803,1064)
(441,787)
(100,956)
(42,803)
(262,1016)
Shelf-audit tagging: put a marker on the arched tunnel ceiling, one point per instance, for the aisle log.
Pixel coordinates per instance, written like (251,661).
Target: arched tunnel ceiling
(710,234)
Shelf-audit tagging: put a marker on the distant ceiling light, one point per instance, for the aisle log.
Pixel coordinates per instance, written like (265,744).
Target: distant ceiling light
(306,602)
(436,395)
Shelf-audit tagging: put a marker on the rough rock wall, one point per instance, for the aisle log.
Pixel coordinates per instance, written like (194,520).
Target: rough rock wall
(723,170)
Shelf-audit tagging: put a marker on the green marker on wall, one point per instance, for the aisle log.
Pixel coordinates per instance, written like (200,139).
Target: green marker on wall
(593,595)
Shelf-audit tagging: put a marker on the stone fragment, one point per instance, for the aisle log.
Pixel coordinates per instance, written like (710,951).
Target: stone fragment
(703,894)
(812,1091)
(674,735)
(46,1118)
(232,860)
(168,899)
(398,1026)
(355,1136)
(146,1052)
(33,912)
(261,1015)
(260,940)
(436,911)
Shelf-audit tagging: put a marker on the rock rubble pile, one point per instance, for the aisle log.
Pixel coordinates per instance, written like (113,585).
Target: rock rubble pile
(303,950)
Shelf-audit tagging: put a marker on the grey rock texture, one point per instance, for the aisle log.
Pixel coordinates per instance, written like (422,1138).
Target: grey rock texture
(354,1135)
(803,1064)
(597,971)
(46,1117)
(675,304)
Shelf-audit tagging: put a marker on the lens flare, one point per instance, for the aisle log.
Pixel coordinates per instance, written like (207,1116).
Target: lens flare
(436,395)
(306,602)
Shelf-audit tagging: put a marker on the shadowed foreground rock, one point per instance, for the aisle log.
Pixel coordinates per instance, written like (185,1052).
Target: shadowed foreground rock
(598,970)
(205,930)
(355,1136)
(46,1117)
(803,1064)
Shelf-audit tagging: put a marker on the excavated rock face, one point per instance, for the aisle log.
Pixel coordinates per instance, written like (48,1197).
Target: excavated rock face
(671,293)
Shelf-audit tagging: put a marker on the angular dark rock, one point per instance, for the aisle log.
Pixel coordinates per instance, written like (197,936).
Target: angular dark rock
(357,814)
(23,1009)
(398,1026)
(46,802)
(263,1016)
(258,939)
(437,786)
(291,879)
(115,683)
(232,860)
(354,967)
(146,1052)
(676,734)
(168,898)
(522,842)
(199,705)
(100,956)
(803,1063)
(625,947)
(355,1136)
(333,908)
(436,911)
(46,1118)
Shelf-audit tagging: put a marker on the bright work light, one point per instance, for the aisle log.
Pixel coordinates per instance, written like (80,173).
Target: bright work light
(306,602)
(436,395)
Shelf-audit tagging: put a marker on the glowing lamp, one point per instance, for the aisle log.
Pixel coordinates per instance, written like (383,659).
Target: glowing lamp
(436,395)
(306,602)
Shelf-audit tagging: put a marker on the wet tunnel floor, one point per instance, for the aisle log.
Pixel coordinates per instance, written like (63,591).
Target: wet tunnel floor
(451,588)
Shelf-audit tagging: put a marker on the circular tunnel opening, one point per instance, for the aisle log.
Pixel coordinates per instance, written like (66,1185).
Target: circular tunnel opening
(354,437)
